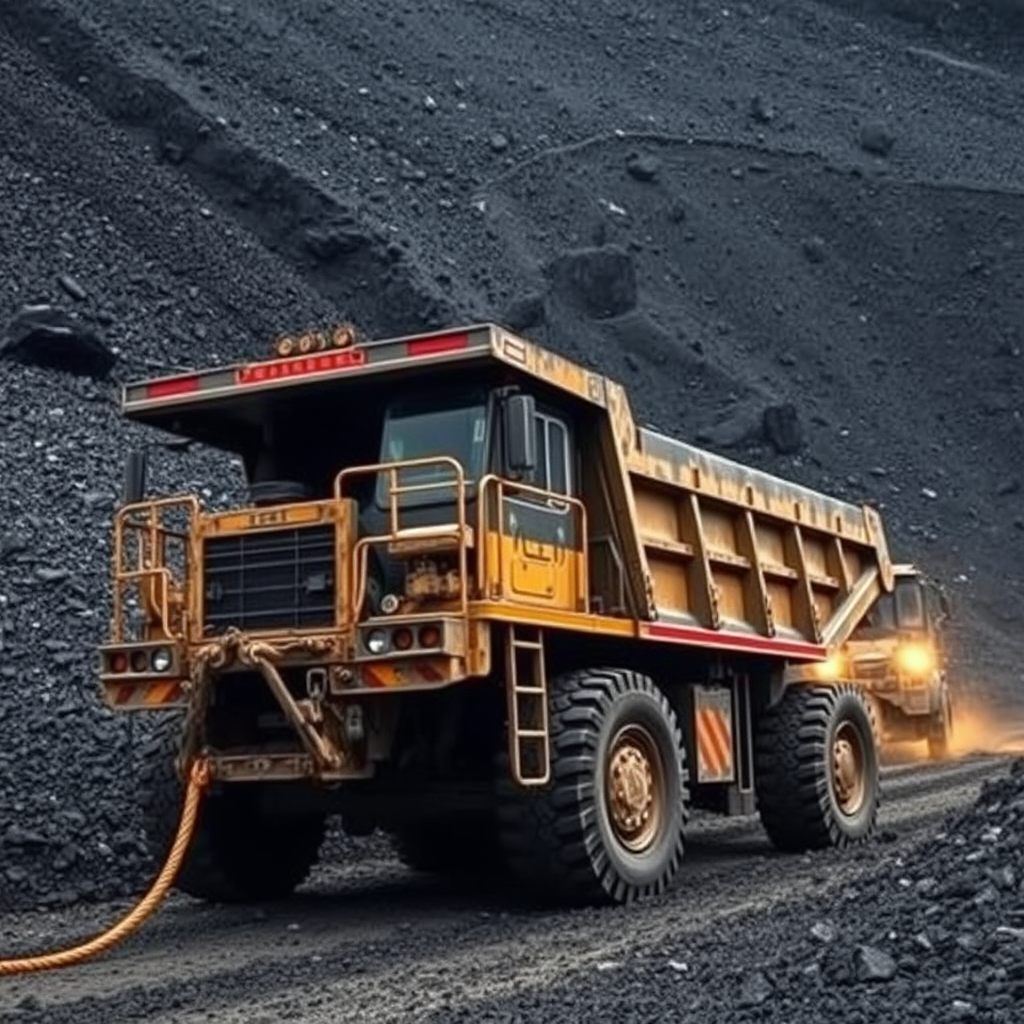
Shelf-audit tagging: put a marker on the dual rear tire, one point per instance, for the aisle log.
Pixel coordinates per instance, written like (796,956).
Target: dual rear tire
(609,826)
(817,768)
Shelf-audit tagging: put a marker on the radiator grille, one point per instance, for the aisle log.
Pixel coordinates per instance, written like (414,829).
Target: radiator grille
(281,579)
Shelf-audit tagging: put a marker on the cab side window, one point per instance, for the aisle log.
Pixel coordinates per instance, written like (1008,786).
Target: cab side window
(909,606)
(554,464)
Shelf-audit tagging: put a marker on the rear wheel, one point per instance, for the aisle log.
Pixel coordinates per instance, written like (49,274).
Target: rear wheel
(455,847)
(608,828)
(817,768)
(238,853)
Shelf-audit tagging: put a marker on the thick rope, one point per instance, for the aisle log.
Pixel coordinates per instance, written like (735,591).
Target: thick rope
(198,781)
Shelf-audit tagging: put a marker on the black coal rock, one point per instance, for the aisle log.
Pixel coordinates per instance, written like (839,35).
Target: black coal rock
(46,336)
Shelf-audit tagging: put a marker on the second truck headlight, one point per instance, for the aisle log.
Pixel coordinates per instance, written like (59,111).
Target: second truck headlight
(916,659)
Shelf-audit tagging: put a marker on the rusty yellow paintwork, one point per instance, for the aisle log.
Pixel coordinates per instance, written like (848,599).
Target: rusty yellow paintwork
(712,542)
(704,551)
(528,572)
(703,541)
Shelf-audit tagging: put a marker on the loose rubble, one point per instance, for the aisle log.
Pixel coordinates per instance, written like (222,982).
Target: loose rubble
(937,934)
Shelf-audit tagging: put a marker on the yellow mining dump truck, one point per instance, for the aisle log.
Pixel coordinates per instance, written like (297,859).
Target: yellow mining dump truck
(897,655)
(471,603)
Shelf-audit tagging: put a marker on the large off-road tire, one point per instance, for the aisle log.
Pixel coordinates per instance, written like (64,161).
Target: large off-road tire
(609,826)
(817,768)
(237,853)
(458,848)
(940,731)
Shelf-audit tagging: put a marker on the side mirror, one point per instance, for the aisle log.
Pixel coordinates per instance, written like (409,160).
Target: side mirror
(945,604)
(135,476)
(520,434)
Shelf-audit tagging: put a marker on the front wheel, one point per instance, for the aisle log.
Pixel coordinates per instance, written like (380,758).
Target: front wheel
(608,828)
(238,853)
(817,768)
(940,731)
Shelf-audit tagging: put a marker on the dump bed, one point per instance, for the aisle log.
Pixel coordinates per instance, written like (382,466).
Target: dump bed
(690,546)
(732,548)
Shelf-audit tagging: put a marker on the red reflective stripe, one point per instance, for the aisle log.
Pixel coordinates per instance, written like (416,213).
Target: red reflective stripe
(371,679)
(170,386)
(711,747)
(738,641)
(300,366)
(718,728)
(441,343)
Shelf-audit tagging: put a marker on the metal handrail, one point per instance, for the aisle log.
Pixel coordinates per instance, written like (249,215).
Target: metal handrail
(395,491)
(144,519)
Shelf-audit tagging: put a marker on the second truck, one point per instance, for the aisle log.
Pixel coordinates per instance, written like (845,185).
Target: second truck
(897,655)
(469,601)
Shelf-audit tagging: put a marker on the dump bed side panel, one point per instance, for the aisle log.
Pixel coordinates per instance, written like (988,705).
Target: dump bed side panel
(735,549)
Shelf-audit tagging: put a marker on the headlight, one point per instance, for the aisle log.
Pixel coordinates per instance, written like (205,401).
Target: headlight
(832,668)
(376,641)
(161,659)
(916,659)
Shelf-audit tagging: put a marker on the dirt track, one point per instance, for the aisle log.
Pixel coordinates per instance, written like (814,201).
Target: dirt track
(374,943)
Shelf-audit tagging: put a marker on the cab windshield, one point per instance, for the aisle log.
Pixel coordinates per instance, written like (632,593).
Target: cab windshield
(428,428)
(902,609)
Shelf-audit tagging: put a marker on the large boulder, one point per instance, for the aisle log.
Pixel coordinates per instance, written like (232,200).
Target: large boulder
(46,336)
(600,281)
(782,429)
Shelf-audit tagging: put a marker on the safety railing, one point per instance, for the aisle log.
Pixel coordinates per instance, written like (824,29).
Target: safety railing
(152,560)
(493,491)
(459,531)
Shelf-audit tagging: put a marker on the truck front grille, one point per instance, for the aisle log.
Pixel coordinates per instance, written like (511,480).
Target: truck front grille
(872,668)
(280,579)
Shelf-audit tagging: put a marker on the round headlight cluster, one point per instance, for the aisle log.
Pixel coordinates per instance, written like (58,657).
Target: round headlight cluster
(403,638)
(141,660)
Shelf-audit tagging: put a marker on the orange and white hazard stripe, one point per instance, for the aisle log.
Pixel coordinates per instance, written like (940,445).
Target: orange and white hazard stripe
(714,744)
(386,675)
(142,696)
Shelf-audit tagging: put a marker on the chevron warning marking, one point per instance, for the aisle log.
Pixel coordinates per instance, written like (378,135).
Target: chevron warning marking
(714,743)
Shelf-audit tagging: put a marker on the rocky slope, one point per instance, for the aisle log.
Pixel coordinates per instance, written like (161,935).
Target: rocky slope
(819,204)
(935,934)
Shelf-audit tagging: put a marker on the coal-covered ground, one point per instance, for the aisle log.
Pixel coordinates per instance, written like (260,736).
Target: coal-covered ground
(925,925)
(807,203)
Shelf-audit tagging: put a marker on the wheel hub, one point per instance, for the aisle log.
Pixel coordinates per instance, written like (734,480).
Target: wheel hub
(634,789)
(848,769)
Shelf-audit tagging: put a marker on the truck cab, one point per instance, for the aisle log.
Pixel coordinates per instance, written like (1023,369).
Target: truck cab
(898,656)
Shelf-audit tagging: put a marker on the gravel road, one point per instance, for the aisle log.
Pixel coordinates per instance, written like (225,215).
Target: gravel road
(372,942)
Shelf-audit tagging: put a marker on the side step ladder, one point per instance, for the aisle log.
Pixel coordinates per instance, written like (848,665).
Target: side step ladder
(528,743)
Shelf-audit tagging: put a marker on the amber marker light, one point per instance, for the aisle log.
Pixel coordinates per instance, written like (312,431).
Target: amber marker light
(284,347)
(343,336)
